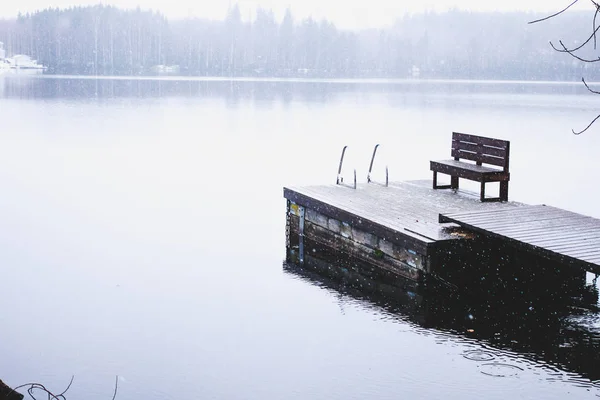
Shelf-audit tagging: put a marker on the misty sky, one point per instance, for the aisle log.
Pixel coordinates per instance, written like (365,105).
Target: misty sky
(344,13)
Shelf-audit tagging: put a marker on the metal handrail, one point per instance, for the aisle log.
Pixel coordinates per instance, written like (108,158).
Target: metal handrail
(369,180)
(340,178)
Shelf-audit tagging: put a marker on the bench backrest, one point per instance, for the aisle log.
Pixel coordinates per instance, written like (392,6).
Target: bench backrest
(481,149)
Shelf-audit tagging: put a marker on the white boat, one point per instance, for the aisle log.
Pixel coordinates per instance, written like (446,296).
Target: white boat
(20,63)
(23,63)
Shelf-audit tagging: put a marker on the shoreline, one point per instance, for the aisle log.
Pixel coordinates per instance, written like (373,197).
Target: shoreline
(371,81)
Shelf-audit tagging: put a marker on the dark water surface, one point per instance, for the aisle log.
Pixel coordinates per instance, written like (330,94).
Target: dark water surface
(142,234)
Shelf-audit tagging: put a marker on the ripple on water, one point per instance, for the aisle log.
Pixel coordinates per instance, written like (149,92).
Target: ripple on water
(500,370)
(478,355)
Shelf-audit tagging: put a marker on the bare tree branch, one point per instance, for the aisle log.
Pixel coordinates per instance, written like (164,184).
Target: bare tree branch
(588,88)
(555,14)
(116,387)
(597,117)
(565,50)
(594,24)
(68,387)
(31,387)
(572,51)
(592,36)
(587,127)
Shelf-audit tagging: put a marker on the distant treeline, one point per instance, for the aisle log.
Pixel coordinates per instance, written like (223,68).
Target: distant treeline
(105,40)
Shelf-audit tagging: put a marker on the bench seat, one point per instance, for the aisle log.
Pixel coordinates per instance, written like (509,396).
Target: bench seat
(469,171)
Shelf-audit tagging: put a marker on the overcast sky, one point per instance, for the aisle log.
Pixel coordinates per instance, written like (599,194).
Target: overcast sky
(344,13)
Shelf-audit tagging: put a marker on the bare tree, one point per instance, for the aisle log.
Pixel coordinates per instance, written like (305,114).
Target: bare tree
(576,51)
(34,389)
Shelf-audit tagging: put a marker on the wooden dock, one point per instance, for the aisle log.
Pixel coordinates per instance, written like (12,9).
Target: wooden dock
(554,233)
(410,229)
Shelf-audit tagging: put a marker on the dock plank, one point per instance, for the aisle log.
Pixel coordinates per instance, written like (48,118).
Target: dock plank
(558,241)
(558,234)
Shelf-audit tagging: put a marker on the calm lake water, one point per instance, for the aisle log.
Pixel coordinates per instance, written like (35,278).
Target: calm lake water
(142,234)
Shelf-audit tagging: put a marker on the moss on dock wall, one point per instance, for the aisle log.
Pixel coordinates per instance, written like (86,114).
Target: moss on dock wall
(363,245)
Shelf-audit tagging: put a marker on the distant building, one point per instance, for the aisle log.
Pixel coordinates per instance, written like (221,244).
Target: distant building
(415,72)
(165,69)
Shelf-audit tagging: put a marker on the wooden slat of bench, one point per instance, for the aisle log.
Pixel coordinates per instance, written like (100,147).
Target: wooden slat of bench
(469,171)
(474,148)
(465,137)
(484,158)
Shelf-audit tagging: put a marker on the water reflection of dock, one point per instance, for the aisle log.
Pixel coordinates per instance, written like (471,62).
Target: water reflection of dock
(538,325)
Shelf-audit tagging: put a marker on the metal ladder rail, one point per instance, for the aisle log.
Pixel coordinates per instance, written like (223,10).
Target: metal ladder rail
(369,180)
(340,178)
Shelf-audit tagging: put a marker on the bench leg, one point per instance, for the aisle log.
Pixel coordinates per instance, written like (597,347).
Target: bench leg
(454,182)
(504,191)
(482,194)
(436,186)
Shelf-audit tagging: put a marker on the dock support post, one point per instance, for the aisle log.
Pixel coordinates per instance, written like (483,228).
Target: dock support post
(301,234)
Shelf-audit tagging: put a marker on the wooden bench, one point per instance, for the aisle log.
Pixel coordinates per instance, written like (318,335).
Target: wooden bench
(482,150)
